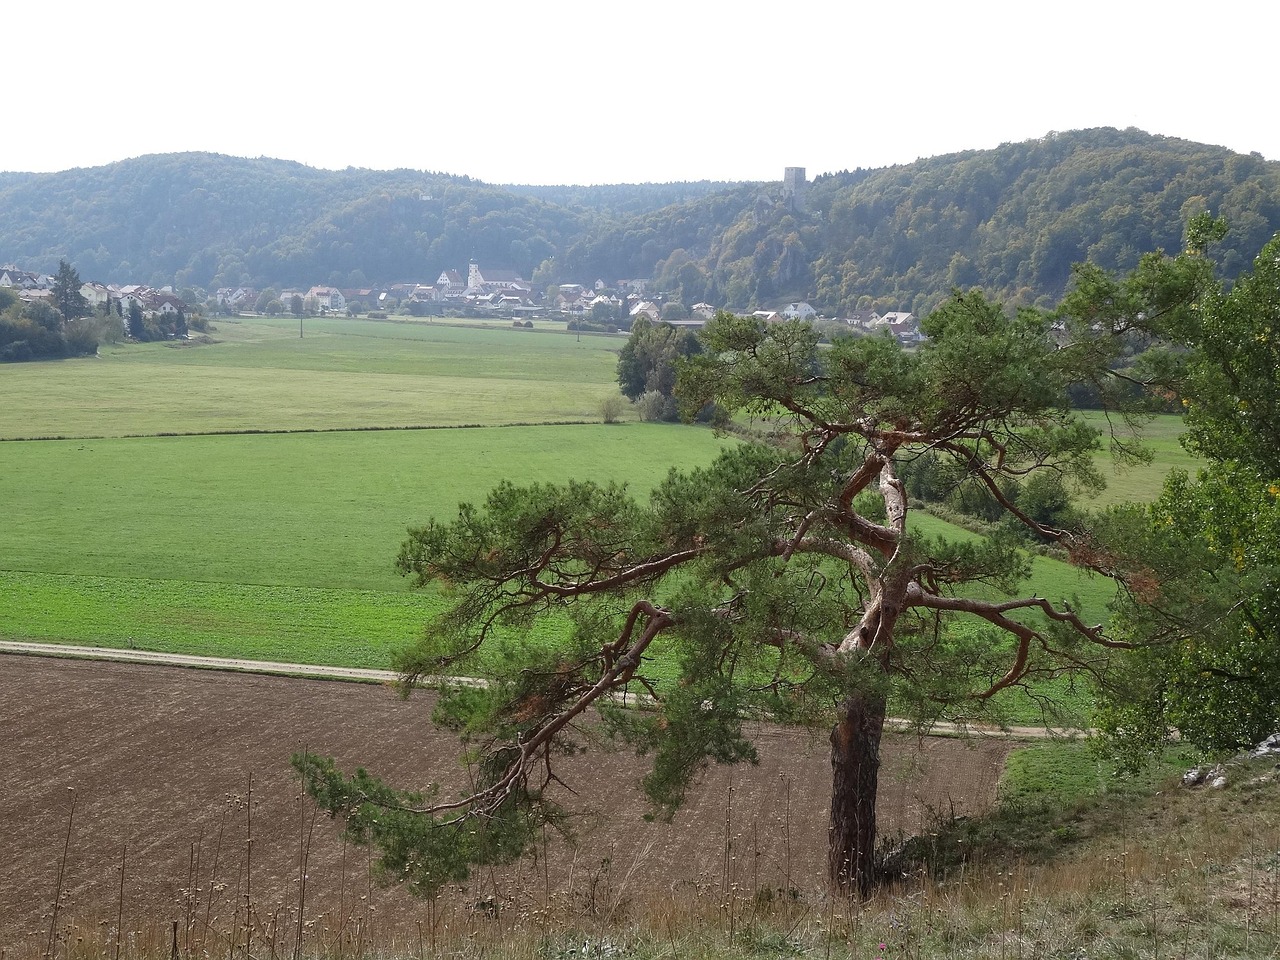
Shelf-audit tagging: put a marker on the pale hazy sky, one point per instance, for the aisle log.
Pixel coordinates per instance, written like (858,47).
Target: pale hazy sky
(571,91)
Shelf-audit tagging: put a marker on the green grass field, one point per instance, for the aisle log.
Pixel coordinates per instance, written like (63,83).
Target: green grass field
(343,374)
(268,546)
(161,524)
(109,537)
(281,545)
(1141,483)
(311,509)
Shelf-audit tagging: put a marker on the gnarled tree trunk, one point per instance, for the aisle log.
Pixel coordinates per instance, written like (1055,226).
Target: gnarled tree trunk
(855,772)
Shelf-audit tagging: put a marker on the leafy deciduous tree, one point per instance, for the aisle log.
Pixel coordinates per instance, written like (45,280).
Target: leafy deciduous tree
(21,339)
(264,298)
(44,315)
(1205,557)
(648,359)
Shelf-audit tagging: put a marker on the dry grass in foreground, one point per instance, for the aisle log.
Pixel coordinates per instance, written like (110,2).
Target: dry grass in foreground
(1169,872)
(1175,874)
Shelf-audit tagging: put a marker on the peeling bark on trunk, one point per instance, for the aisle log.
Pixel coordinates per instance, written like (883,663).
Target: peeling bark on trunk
(855,772)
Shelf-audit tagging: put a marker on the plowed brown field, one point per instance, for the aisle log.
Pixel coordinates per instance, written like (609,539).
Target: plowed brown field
(159,762)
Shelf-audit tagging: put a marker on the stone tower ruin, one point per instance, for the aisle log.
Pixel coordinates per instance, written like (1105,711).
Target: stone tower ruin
(794,186)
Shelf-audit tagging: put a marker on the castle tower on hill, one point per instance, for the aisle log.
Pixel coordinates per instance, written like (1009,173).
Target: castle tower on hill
(794,186)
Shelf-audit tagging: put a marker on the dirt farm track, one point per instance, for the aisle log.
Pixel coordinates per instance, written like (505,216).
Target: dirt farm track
(158,762)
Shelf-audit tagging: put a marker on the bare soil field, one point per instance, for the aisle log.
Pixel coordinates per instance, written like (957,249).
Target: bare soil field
(187,813)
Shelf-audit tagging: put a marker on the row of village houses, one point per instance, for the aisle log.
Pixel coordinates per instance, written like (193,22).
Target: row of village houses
(496,290)
(500,291)
(505,292)
(36,286)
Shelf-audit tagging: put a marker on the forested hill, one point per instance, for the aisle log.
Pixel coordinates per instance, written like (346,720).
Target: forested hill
(623,199)
(198,219)
(1012,219)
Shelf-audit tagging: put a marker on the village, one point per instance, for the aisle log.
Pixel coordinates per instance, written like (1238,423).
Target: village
(482,291)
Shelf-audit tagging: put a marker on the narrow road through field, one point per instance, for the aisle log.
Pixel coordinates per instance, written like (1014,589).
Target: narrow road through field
(367,675)
(204,663)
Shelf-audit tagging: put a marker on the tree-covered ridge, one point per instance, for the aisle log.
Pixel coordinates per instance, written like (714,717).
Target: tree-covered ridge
(622,198)
(1014,220)
(197,219)
(1011,220)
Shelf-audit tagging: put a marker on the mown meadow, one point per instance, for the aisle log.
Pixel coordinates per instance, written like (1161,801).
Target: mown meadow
(1140,482)
(154,524)
(342,374)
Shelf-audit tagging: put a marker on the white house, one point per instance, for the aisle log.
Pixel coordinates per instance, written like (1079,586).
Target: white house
(165,304)
(866,319)
(798,311)
(95,294)
(450,285)
(327,298)
(11,276)
(646,308)
(904,326)
(236,298)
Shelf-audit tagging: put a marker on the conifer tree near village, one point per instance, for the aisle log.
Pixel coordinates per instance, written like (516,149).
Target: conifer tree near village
(66,292)
(785,580)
